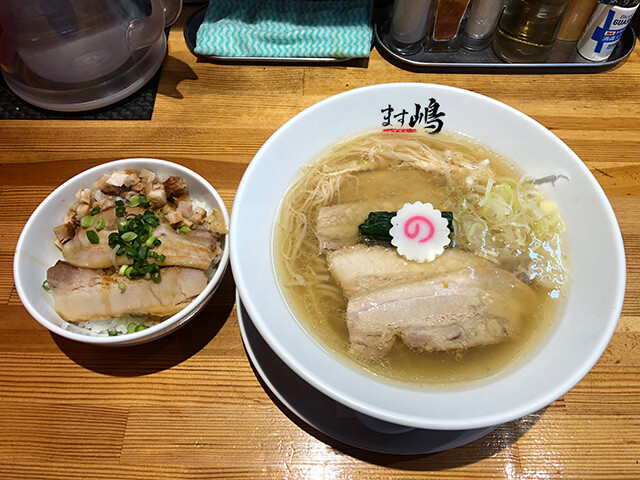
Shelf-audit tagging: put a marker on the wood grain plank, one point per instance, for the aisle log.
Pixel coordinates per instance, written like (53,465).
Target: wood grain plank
(61,432)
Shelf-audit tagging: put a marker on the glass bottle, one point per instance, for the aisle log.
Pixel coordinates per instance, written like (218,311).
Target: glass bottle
(409,25)
(482,22)
(447,25)
(527,30)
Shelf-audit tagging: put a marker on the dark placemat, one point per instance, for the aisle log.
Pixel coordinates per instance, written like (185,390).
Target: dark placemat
(137,106)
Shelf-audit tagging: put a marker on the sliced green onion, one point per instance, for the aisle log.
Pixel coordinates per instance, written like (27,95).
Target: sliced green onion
(157,256)
(135,239)
(121,211)
(93,236)
(151,242)
(100,223)
(150,218)
(122,286)
(113,333)
(139,328)
(119,203)
(123,270)
(143,201)
(46,286)
(95,210)
(132,327)
(184,229)
(129,236)
(134,200)
(142,253)
(86,221)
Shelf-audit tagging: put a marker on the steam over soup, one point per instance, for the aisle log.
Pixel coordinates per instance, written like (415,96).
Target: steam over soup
(465,315)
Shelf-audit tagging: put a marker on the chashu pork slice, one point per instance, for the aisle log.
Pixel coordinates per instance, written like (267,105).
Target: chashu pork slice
(361,269)
(195,249)
(458,301)
(82,294)
(337,225)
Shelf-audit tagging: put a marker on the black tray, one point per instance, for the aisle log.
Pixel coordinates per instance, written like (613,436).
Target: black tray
(564,57)
(190,36)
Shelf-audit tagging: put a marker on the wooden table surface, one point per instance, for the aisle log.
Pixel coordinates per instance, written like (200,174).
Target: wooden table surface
(190,405)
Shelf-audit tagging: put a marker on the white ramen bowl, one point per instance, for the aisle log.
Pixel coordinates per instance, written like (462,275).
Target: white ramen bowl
(36,252)
(597,265)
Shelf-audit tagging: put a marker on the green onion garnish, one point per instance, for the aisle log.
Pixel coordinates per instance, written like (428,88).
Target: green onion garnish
(134,201)
(143,201)
(135,240)
(93,236)
(119,203)
(132,327)
(86,221)
(150,219)
(113,333)
(123,270)
(121,211)
(151,242)
(129,236)
(100,223)
(184,229)
(157,256)
(139,328)
(122,286)
(46,286)
(95,210)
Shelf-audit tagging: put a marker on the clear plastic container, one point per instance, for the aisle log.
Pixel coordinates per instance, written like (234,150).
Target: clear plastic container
(82,54)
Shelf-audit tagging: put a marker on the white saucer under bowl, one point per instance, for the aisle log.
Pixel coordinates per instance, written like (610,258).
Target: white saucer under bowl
(333,419)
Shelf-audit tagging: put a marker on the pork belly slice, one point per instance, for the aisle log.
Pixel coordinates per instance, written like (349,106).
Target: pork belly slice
(458,301)
(361,269)
(337,225)
(195,249)
(83,294)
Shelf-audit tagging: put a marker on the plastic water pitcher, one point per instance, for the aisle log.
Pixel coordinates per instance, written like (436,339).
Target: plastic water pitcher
(72,55)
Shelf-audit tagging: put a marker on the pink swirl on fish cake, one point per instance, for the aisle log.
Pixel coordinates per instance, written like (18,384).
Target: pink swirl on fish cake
(413,227)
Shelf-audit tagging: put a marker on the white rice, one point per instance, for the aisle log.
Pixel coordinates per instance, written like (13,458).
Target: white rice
(101,328)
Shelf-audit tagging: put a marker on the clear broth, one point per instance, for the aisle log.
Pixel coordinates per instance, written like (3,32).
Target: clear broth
(321,309)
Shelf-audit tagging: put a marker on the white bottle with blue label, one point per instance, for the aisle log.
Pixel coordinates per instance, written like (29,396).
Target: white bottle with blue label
(605,28)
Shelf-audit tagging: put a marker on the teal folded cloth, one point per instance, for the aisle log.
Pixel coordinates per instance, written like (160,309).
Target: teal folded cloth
(286,28)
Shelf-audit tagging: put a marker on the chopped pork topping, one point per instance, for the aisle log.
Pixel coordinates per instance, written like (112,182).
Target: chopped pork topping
(175,187)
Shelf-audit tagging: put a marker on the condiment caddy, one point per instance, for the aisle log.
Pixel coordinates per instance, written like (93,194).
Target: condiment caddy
(563,57)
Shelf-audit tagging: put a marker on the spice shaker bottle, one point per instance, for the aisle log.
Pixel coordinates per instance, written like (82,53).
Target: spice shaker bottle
(482,22)
(527,30)
(447,25)
(608,22)
(575,19)
(409,25)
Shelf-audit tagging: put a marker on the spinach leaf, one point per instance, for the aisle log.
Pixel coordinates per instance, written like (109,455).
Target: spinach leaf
(377,225)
